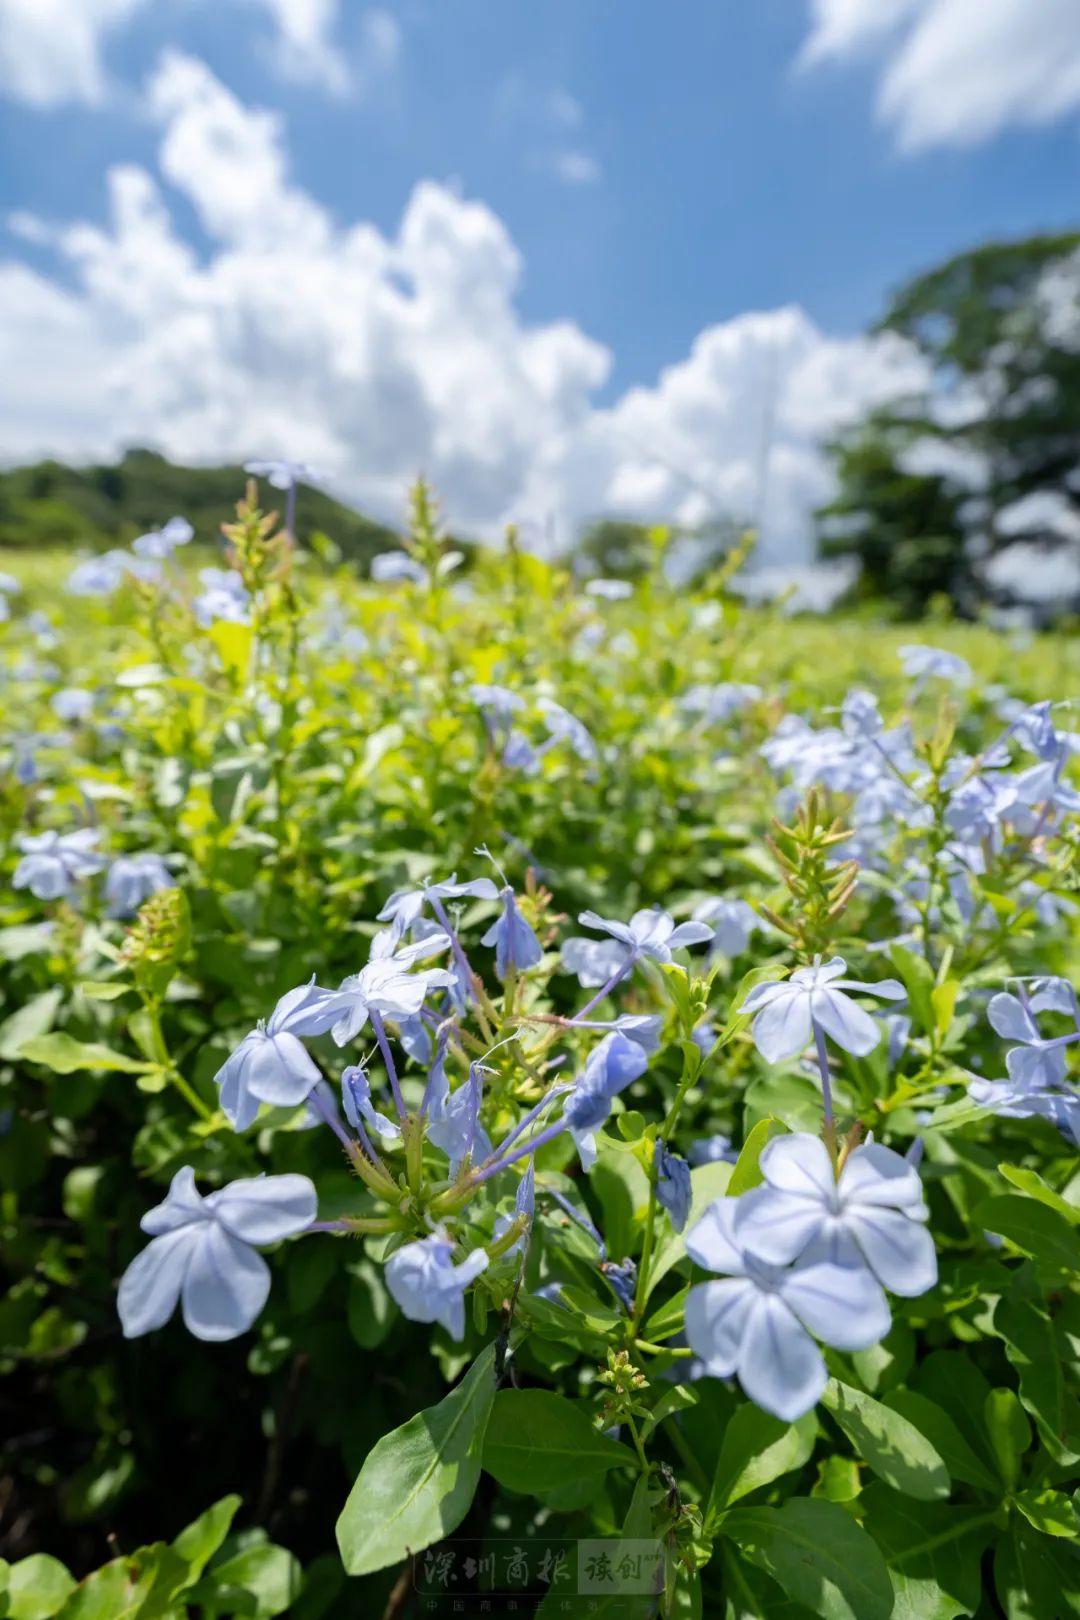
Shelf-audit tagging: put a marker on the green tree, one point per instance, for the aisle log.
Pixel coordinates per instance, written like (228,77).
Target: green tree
(930,488)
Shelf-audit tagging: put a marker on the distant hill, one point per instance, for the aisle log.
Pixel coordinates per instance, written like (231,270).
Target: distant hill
(51,504)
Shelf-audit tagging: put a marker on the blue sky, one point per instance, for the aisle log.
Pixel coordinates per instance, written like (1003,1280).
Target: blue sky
(660,169)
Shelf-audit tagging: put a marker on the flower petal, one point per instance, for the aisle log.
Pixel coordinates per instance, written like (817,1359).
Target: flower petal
(182,1204)
(799,1163)
(780,1366)
(716,1317)
(782,1028)
(850,1025)
(887,989)
(150,1287)
(225,1287)
(265,1209)
(711,1241)
(689,933)
(899,1251)
(777,1226)
(843,1305)
(1010,1018)
(874,1174)
(281,1071)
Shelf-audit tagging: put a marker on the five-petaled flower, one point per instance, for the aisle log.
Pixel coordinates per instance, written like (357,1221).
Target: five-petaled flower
(203,1254)
(790,1011)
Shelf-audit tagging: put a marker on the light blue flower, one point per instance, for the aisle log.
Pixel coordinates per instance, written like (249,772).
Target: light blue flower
(622,1278)
(356,1100)
(920,662)
(609,1069)
(281,474)
(100,576)
(593,961)
(713,1149)
(610,590)
(673,1187)
(718,703)
(405,906)
(160,544)
(790,1011)
(516,946)
(53,863)
(72,704)
(133,879)
(424,1281)
(651,933)
(732,923)
(389,567)
(872,1215)
(1035,1061)
(454,1118)
(202,1254)
(1012,1099)
(563,726)
(271,1065)
(223,597)
(386,984)
(524,1209)
(756,1321)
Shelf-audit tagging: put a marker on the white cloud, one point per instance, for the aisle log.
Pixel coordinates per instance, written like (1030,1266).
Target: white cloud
(576,168)
(304,47)
(51,50)
(956,72)
(373,356)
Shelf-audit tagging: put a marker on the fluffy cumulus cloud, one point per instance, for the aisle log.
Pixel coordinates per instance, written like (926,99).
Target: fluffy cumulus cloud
(371,356)
(51,50)
(955,72)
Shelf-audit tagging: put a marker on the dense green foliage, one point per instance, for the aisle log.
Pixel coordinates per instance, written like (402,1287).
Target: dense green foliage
(999,328)
(301,766)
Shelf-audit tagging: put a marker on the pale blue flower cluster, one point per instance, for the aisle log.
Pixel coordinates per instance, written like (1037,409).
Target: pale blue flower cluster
(1037,1086)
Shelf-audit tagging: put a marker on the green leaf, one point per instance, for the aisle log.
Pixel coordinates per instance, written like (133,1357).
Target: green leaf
(818,1554)
(38,1588)
(1030,1182)
(757,1448)
(918,980)
(105,989)
(1009,1432)
(894,1448)
(954,1383)
(938,1427)
(33,1019)
(64,1055)
(1033,1227)
(747,1171)
(200,1541)
(1051,1512)
(538,1440)
(933,1553)
(943,999)
(271,1575)
(1036,1576)
(1032,1350)
(119,1590)
(418,1481)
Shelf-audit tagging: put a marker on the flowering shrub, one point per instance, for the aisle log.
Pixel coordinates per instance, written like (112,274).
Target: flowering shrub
(575,1058)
